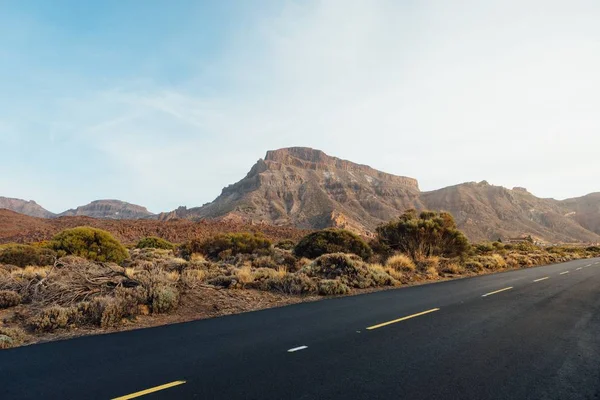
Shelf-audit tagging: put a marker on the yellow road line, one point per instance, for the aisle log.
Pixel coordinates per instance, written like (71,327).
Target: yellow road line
(151,390)
(542,279)
(497,291)
(402,319)
(565,272)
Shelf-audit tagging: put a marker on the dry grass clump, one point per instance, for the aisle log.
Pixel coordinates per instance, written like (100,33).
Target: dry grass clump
(9,298)
(452,268)
(296,284)
(401,262)
(193,278)
(11,337)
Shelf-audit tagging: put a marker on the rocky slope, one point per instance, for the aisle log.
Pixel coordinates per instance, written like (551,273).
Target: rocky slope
(109,209)
(30,208)
(484,211)
(584,210)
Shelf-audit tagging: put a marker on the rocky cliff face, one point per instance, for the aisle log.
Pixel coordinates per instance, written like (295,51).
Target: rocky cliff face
(309,189)
(30,208)
(110,209)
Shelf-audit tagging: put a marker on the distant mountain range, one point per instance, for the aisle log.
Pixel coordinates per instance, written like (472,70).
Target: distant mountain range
(103,209)
(308,189)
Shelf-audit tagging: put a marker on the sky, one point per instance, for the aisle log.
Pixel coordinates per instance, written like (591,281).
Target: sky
(164,103)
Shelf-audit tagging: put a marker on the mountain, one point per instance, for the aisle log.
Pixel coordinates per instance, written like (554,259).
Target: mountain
(584,210)
(109,209)
(484,211)
(307,188)
(30,208)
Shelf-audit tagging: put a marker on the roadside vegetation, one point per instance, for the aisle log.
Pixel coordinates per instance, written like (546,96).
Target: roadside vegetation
(84,280)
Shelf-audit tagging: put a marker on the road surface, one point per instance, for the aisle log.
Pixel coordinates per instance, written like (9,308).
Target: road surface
(526,334)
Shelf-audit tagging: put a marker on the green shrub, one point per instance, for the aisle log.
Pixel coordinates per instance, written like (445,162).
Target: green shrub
(153,242)
(330,241)
(91,243)
(286,244)
(231,243)
(484,248)
(23,255)
(8,298)
(425,235)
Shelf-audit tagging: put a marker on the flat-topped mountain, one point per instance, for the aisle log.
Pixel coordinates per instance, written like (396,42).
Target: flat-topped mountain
(30,208)
(109,209)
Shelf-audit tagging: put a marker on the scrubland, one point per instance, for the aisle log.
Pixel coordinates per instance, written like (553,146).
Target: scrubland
(84,281)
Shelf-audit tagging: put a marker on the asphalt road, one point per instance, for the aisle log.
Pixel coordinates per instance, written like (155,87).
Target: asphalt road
(462,339)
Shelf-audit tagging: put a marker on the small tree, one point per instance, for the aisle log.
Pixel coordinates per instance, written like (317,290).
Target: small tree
(91,243)
(424,235)
(330,241)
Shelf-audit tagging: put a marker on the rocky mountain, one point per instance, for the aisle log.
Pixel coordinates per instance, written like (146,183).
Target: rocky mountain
(30,208)
(309,189)
(109,209)
(484,211)
(306,188)
(584,210)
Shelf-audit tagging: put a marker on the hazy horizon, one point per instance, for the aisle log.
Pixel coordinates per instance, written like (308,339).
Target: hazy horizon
(163,104)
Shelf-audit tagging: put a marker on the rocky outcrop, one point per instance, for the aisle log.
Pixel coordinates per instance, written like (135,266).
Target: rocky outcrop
(30,208)
(109,209)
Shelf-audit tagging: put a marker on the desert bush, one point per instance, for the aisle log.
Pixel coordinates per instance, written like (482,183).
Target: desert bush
(154,242)
(452,268)
(229,244)
(484,248)
(593,249)
(23,255)
(332,287)
(330,241)
(350,269)
(380,276)
(429,266)
(164,299)
(296,284)
(264,262)
(401,262)
(424,235)
(9,298)
(53,318)
(91,243)
(473,266)
(192,278)
(286,244)
(11,337)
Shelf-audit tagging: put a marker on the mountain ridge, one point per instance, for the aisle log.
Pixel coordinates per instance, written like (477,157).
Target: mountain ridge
(308,189)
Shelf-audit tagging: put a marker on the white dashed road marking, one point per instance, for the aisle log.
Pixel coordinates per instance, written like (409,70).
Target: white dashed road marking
(297,349)
(565,272)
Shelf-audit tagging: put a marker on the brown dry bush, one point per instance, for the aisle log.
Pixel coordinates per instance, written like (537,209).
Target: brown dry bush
(53,318)
(295,284)
(349,268)
(8,298)
(11,337)
(331,287)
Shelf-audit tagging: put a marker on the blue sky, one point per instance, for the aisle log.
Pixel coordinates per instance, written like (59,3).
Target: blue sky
(163,103)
